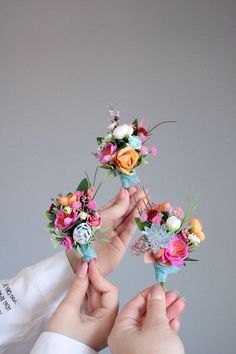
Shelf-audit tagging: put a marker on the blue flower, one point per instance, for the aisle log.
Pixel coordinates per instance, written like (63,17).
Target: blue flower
(158,237)
(135,142)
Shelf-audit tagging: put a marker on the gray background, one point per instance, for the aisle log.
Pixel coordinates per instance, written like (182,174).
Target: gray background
(62,63)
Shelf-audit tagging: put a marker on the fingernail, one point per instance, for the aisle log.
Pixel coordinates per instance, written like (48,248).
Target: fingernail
(156,293)
(177,293)
(122,193)
(95,260)
(182,298)
(83,270)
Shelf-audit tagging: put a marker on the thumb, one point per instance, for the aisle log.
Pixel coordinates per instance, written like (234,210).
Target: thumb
(156,307)
(79,287)
(118,207)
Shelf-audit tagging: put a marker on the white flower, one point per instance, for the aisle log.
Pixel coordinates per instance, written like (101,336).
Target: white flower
(173,223)
(82,233)
(83,215)
(123,131)
(194,239)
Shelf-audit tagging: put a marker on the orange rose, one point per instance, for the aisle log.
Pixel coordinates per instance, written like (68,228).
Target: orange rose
(126,159)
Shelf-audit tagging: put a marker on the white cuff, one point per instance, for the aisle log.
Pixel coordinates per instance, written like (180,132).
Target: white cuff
(54,276)
(51,343)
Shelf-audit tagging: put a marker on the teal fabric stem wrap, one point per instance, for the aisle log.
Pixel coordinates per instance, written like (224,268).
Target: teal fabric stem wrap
(162,271)
(128,180)
(88,252)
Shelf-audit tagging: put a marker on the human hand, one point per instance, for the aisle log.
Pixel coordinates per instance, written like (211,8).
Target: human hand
(93,324)
(118,217)
(142,327)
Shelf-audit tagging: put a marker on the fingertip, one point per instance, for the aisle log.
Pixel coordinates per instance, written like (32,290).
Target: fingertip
(82,270)
(123,193)
(156,293)
(175,325)
(133,190)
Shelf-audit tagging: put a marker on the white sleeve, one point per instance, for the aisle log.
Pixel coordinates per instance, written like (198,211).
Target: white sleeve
(28,300)
(51,343)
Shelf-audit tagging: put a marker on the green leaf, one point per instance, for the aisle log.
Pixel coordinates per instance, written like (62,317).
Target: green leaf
(83,186)
(50,216)
(99,139)
(55,242)
(101,230)
(189,259)
(141,224)
(105,167)
(78,249)
(50,226)
(135,123)
(192,206)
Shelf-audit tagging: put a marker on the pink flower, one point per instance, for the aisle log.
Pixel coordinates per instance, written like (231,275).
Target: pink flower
(67,243)
(153,151)
(184,235)
(79,194)
(142,137)
(76,205)
(90,192)
(63,220)
(175,252)
(92,204)
(179,212)
(95,220)
(144,150)
(156,220)
(106,154)
(143,216)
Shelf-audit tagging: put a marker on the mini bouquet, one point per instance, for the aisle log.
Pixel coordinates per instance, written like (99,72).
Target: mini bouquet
(165,241)
(124,148)
(74,220)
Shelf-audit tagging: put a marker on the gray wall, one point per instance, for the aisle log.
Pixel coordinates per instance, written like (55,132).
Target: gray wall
(62,63)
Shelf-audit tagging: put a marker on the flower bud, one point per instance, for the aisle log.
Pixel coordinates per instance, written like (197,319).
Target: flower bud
(67,210)
(173,223)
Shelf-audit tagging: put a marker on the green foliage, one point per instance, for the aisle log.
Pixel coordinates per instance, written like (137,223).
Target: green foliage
(55,242)
(50,226)
(83,186)
(135,123)
(192,206)
(141,224)
(189,259)
(78,249)
(50,216)
(99,140)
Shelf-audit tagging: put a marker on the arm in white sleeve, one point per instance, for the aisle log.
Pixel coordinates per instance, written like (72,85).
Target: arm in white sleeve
(28,300)
(51,343)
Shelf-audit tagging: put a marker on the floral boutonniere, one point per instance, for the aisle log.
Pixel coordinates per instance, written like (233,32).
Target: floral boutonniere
(75,219)
(125,147)
(165,241)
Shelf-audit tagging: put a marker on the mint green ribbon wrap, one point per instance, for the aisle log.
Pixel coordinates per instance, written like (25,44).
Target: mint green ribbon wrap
(128,180)
(162,271)
(89,252)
